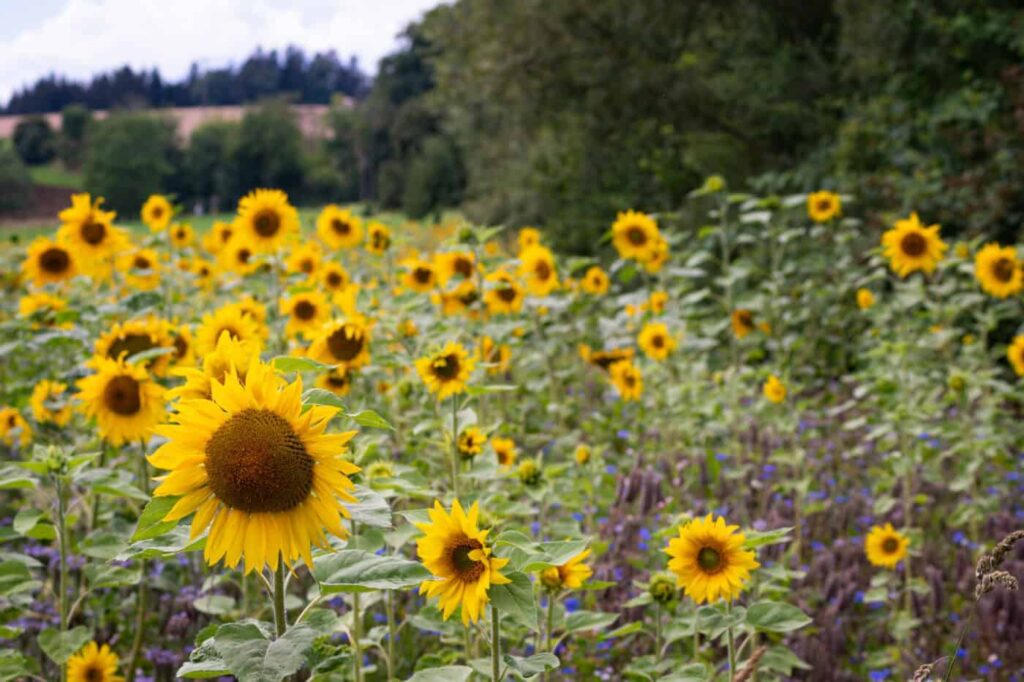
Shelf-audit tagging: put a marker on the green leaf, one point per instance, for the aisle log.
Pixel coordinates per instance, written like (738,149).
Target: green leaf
(15,577)
(321,396)
(109,575)
(214,604)
(773,616)
(60,645)
(288,363)
(624,631)
(370,419)
(353,570)
(32,523)
(694,672)
(204,662)
(253,658)
(516,600)
(14,665)
(446,673)
(371,510)
(534,665)
(781,659)
(578,621)
(12,477)
(151,524)
(149,354)
(756,539)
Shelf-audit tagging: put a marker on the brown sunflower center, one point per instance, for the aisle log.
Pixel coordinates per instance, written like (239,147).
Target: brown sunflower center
(345,343)
(337,380)
(180,346)
(709,559)
(304,310)
(257,463)
(468,569)
(913,244)
(446,367)
(55,260)
(381,241)
(93,232)
(463,266)
(636,235)
(468,297)
(181,233)
(225,236)
(142,263)
(507,294)
(306,265)
(157,213)
(542,270)
(335,280)
(423,275)
(745,318)
(890,545)
(267,222)
(341,226)
(93,674)
(122,396)
(1004,269)
(824,205)
(129,345)
(658,341)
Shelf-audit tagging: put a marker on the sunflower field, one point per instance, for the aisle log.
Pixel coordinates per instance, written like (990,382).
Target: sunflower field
(753,439)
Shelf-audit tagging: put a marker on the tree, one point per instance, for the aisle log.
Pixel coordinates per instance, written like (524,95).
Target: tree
(74,122)
(34,140)
(15,181)
(269,150)
(129,157)
(209,164)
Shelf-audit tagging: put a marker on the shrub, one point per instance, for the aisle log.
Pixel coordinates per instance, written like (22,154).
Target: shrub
(74,121)
(15,181)
(434,179)
(269,150)
(130,156)
(34,140)
(209,164)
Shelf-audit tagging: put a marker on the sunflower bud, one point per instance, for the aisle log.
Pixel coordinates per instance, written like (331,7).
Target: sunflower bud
(551,578)
(529,473)
(662,588)
(582,454)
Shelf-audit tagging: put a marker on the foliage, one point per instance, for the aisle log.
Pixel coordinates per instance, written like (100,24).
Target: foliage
(15,181)
(74,122)
(210,163)
(35,140)
(268,152)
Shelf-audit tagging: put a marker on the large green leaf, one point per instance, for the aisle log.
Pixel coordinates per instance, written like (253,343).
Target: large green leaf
(371,510)
(447,673)
(773,616)
(353,570)
(588,620)
(287,363)
(251,657)
(534,665)
(59,645)
(515,600)
(15,577)
(151,524)
(14,665)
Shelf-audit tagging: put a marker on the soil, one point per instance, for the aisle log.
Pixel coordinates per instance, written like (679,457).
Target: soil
(44,206)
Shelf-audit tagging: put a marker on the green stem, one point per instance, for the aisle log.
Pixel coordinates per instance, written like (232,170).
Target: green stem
(280,616)
(455,447)
(495,644)
(357,634)
(731,643)
(392,631)
(696,634)
(952,657)
(140,624)
(657,632)
(62,579)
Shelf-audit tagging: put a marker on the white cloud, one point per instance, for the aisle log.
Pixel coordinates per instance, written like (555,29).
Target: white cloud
(90,36)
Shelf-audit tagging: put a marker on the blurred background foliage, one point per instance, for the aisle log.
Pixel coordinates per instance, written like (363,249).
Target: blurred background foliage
(559,113)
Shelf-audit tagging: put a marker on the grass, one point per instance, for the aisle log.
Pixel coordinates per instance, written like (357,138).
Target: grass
(56,175)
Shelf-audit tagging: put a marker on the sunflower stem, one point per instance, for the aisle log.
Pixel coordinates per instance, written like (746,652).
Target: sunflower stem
(495,644)
(392,631)
(731,644)
(62,535)
(455,447)
(357,634)
(696,633)
(280,617)
(657,632)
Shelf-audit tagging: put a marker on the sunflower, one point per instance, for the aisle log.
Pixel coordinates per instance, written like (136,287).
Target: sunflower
(582,454)
(408,329)
(627,379)
(656,302)
(504,451)
(87,231)
(141,269)
(454,550)
(184,347)
(157,212)
(378,238)
(218,236)
(458,300)
(635,236)
(306,313)
(334,277)
(742,322)
(568,576)
(420,275)
(43,309)
(452,264)
(998,270)
(595,282)
(48,262)
(94,663)
(823,206)
(537,268)
(267,219)
(344,342)
(865,299)
(239,256)
(339,228)
(232,320)
(49,402)
(709,560)
(1015,354)
(229,355)
(604,359)
(527,237)
(205,273)
(774,390)
(14,427)
(910,246)
(258,471)
(304,260)
(182,235)
(495,355)
(445,372)
(129,338)
(249,307)
(124,400)
(503,295)
(659,256)
(337,381)
(656,341)
(885,546)
(470,442)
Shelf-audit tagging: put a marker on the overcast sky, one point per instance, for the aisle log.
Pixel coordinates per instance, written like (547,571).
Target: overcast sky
(79,38)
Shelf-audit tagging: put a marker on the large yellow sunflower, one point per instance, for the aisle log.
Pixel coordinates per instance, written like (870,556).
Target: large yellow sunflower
(88,232)
(451,264)
(334,277)
(445,372)
(141,269)
(656,341)
(885,546)
(910,246)
(470,442)
(182,235)
(454,549)
(635,236)
(123,399)
(239,256)
(337,380)
(304,259)
(343,342)
(595,282)
(378,238)
(307,311)
(569,576)
(504,451)
(998,270)
(48,262)
(157,212)
(126,339)
(709,560)
(419,275)
(503,294)
(14,427)
(537,268)
(49,402)
(742,322)
(823,206)
(257,470)
(1015,354)
(267,219)
(339,228)
(232,320)
(627,379)
(228,355)
(94,663)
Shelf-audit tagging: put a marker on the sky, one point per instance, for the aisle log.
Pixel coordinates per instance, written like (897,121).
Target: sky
(80,38)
